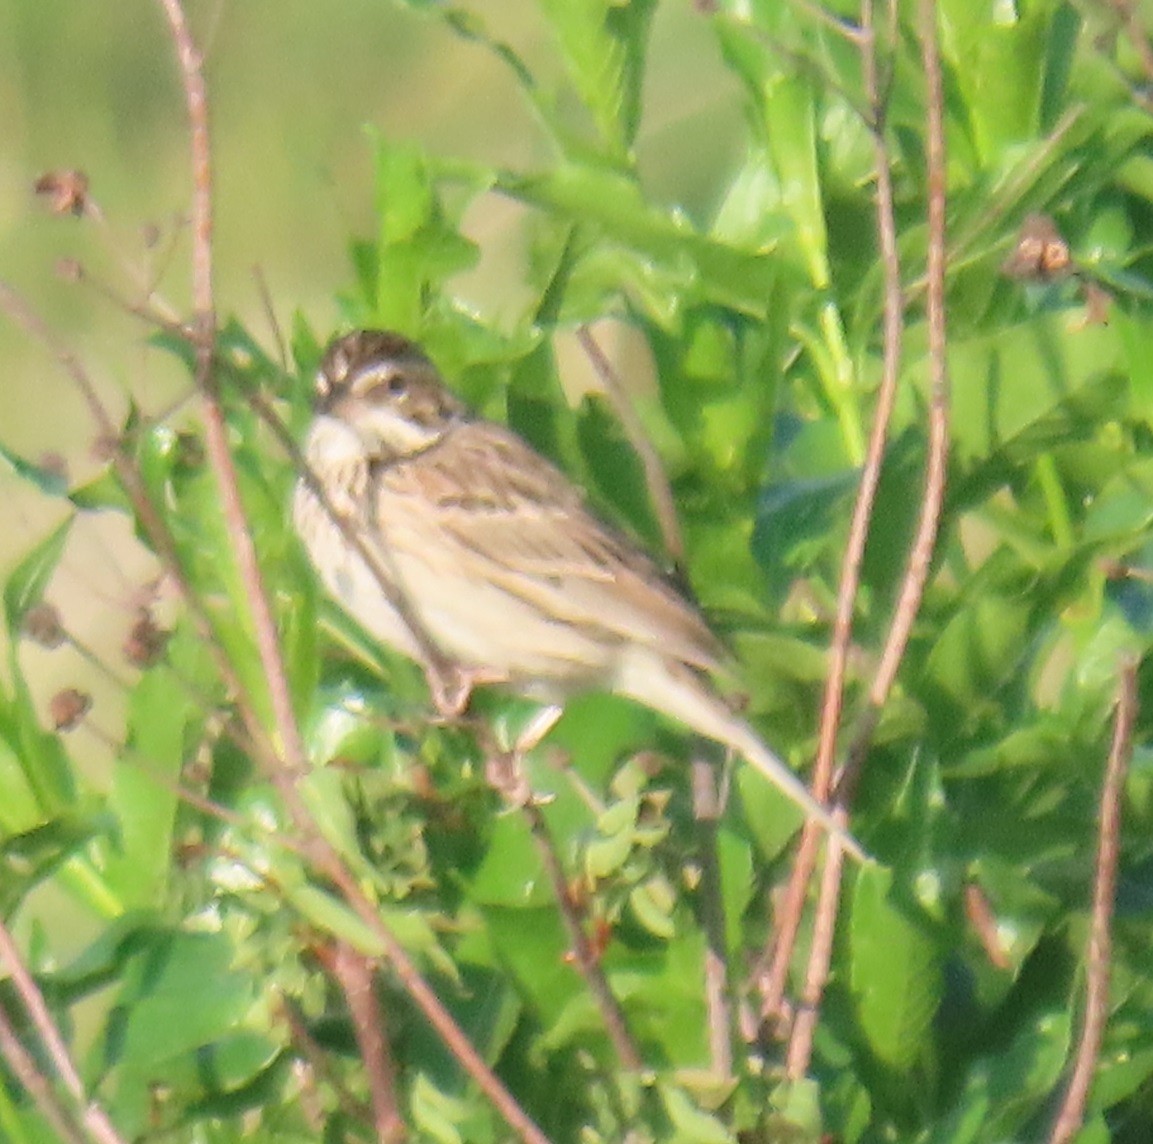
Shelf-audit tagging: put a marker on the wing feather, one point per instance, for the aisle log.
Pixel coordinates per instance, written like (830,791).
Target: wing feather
(483,491)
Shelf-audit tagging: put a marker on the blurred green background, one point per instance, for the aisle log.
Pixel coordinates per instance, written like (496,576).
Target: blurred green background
(295,88)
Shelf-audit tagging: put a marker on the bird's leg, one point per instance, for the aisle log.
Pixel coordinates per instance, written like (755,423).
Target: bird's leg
(504,768)
(452,685)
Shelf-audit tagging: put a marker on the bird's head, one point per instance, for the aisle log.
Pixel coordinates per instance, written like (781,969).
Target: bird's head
(382,387)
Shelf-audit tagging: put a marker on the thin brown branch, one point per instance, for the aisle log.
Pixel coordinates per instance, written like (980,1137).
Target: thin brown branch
(70,190)
(924,541)
(718,1009)
(196,98)
(1072,1112)
(656,481)
(789,916)
(27,1073)
(1005,198)
(92,1115)
(91,657)
(354,973)
(921,552)
(804,1027)
(800,1047)
(269,308)
(431,1006)
(243,823)
(983,922)
(319,1063)
(71,270)
(216,430)
(582,954)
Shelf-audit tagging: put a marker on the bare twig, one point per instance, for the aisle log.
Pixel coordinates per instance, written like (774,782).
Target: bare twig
(657,483)
(431,1006)
(270,313)
(146,767)
(718,1010)
(68,192)
(27,1072)
(160,318)
(1072,1113)
(216,431)
(1007,197)
(91,657)
(921,552)
(789,916)
(319,1062)
(983,922)
(817,970)
(353,972)
(92,1115)
(151,522)
(584,958)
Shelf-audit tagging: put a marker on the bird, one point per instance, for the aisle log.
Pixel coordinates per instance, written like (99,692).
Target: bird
(450,539)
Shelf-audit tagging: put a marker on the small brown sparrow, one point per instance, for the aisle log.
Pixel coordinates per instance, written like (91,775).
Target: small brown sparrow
(450,539)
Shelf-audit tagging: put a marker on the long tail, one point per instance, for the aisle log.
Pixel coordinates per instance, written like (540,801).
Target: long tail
(676,691)
(756,754)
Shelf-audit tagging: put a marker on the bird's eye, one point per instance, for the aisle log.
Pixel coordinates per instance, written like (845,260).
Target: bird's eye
(382,384)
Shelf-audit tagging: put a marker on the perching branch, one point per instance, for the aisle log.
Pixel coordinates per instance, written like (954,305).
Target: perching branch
(1098,958)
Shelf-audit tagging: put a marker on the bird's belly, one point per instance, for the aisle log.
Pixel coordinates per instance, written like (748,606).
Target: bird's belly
(471,621)
(348,578)
(479,624)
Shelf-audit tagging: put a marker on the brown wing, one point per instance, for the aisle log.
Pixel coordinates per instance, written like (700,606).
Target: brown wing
(488,492)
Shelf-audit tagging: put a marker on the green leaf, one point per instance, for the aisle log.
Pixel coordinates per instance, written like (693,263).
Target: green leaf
(48,480)
(532,943)
(178,995)
(896,973)
(603,43)
(27,581)
(718,271)
(998,56)
(1005,1090)
(30,856)
(164,716)
(690,1124)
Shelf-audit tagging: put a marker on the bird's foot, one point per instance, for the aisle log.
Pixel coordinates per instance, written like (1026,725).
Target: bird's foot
(452,686)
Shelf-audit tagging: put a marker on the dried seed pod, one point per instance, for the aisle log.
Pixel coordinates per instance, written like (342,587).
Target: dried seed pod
(66,191)
(68,707)
(42,625)
(1040,254)
(146,640)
